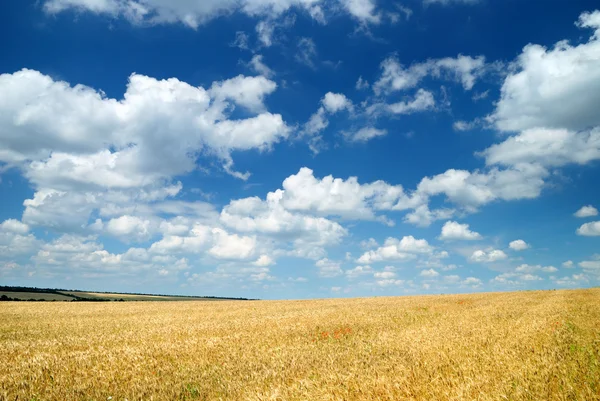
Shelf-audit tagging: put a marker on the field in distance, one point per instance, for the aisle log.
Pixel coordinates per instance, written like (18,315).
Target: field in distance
(515,346)
(47,294)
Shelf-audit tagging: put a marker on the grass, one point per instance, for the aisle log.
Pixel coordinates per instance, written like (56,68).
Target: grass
(500,346)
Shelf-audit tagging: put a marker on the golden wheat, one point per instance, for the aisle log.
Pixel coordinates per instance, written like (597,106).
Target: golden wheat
(516,346)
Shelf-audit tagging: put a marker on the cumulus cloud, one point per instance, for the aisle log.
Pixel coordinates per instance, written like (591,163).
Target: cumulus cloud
(571,281)
(429,273)
(592,266)
(384,275)
(546,147)
(473,282)
(363,10)
(14,226)
(359,271)
(394,249)
(15,240)
(334,102)
(518,245)
(264,260)
(587,211)
(453,230)
(568,264)
(525,268)
(474,189)
(154,133)
(329,268)
(514,279)
(130,227)
(232,246)
(331,103)
(494,255)
(338,197)
(308,234)
(556,88)
(423,217)
(591,229)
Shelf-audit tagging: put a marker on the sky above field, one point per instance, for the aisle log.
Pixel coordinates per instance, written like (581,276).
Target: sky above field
(300,148)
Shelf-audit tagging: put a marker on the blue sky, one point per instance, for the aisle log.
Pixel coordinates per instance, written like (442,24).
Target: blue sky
(300,148)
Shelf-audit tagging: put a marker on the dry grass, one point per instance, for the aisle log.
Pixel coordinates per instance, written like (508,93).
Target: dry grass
(515,346)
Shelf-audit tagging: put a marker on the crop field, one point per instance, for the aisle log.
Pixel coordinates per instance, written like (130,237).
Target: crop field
(498,346)
(133,297)
(35,295)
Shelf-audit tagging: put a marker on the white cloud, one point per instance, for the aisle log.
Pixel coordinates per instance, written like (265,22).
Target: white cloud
(518,245)
(193,13)
(479,96)
(591,266)
(389,282)
(334,102)
(472,190)
(361,84)
(130,227)
(556,88)
(591,229)
(14,226)
(363,10)
(423,217)
(572,281)
(365,134)
(154,133)
(331,103)
(384,275)
(359,271)
(568,264)
(16,243)
(525,268)
(264,260)
(394,249)
(331,196)
(587,211)
(448,2)
(472,282)
(453,230)
(463,69)
(423,101)
(430,273)
(248,92)
(491,256)
(196,241)
(264,31)
(546,147)
(329,268)
(257,64)
(308,234)
(514,279)
(463,125)
(232,246)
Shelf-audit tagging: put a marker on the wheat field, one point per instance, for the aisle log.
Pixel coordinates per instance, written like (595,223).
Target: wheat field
(498,346)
